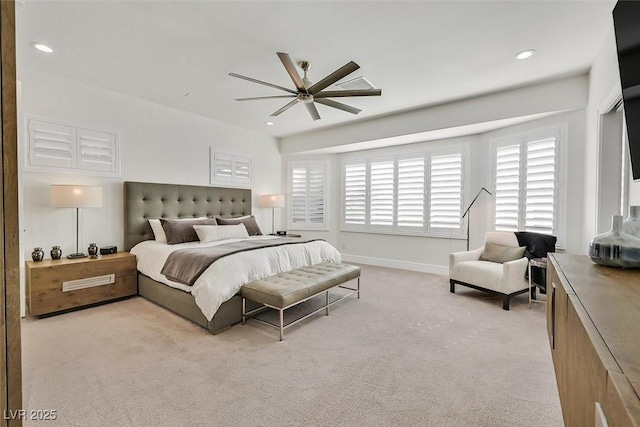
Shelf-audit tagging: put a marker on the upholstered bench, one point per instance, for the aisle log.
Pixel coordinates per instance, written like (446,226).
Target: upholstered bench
(290,288)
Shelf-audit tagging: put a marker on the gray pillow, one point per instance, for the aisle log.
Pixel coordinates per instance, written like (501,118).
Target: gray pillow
(250,222)
(182,231)
(501,254)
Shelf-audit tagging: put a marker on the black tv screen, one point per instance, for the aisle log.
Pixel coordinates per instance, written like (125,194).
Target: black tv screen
(626,20)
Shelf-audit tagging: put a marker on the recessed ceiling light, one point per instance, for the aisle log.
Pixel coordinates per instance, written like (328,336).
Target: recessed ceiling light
(42,47)
(525,54)
(269,123)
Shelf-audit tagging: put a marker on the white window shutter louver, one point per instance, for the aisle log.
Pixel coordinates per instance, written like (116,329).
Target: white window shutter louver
(411,189)
(51,145)
(507,188)
(541,185)
(355,193)
(446,191)
(308,195)
(382,193)
(96,150)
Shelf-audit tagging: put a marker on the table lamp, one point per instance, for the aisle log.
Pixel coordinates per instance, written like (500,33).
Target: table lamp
(272,201)
(76,196)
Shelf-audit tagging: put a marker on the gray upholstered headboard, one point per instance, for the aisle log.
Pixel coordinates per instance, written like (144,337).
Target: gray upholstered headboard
(143,200)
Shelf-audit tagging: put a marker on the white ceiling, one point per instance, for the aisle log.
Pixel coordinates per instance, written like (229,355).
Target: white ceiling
(419,53)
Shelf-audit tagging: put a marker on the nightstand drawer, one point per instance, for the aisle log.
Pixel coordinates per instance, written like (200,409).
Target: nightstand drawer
(87,281)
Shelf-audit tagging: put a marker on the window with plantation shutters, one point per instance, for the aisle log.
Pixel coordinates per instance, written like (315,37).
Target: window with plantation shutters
(308,195)
(526,182)
(415,194)
(229,168)
(445,192)
(55,146)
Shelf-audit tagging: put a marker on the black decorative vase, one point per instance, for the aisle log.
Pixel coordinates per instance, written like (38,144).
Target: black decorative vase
(92,249)
(56,252)
(37,255)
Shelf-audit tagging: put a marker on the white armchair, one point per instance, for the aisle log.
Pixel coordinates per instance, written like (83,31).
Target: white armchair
(504,279)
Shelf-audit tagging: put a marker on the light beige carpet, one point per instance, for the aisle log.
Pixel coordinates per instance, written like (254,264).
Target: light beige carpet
(408,353)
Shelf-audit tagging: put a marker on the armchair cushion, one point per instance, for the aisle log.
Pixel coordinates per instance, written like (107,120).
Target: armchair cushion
(501,254)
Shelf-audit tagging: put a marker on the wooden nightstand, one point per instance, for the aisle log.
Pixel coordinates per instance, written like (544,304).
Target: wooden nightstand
(55,285)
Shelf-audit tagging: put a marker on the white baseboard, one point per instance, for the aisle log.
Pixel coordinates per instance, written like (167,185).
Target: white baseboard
(403,265)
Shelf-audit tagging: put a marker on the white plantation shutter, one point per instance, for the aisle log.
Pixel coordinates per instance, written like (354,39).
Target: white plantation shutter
(541,185)
(526,183)
(307,194)
(411,177)
(229,168)
(355,193)
(446,191)
(382,193)
(298,195)
(96,150)
(507,188)
(242,170)
(222,167)
(51,144)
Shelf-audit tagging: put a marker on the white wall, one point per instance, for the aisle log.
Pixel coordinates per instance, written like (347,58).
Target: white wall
(159,144)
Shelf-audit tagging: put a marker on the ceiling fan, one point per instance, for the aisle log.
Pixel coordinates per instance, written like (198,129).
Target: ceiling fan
(308,93)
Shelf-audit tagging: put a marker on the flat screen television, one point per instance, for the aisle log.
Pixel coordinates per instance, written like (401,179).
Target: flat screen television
(626,20)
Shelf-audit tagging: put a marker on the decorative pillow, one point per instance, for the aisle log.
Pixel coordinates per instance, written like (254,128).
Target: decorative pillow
(158,231)
(181,230)
(250,222)
(213,233)
(501,254)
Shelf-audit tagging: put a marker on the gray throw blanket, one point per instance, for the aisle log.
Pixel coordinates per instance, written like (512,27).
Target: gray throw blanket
(186,265)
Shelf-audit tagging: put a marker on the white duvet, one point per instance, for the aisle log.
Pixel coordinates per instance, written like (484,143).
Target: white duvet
(224,278)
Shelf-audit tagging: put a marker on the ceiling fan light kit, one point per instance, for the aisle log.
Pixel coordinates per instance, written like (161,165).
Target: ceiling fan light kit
(307,93)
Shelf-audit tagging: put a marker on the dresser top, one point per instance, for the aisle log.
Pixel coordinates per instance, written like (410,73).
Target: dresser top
(611,298)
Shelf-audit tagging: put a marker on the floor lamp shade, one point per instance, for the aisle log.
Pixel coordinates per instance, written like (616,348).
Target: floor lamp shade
(272,201)
(76,196)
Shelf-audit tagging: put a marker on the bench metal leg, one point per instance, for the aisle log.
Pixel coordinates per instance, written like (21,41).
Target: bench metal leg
(244,310)
(327,303)
(358,287)
(281,324)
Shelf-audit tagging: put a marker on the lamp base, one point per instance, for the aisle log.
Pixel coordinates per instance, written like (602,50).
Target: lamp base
(77,255)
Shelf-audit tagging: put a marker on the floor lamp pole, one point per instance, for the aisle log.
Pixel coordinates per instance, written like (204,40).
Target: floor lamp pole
(469,208)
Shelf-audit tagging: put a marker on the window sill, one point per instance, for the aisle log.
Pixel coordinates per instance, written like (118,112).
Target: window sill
(406,233)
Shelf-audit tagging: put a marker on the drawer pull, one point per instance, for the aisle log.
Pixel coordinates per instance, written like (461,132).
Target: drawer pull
(89,282)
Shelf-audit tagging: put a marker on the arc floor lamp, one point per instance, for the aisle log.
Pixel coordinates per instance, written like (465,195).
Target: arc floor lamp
(467,211)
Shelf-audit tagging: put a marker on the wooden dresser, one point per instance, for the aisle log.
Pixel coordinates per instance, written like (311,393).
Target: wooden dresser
(593,321)
(55,285)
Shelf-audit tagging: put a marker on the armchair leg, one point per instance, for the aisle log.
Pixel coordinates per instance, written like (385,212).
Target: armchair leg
(452,286)
(505,303)
(533,292)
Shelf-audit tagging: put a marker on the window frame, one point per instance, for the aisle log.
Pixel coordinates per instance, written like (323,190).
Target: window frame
(307,226)
(426,230)
(560,133)
(233,179)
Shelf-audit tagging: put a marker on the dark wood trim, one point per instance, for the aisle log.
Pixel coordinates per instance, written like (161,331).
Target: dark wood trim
(505,297)
(9,244)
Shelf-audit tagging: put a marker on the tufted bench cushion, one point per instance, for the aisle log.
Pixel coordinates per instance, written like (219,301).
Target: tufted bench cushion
(292,287)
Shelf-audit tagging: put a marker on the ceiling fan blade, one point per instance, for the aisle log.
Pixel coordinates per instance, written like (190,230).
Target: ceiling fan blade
(285,108)
(342,93)
(291,69)
(265,97)
(341,72)
(262,83)
(338,105)
(313,111)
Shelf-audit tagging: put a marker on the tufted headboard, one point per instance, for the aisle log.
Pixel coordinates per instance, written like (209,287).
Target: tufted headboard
(143,200)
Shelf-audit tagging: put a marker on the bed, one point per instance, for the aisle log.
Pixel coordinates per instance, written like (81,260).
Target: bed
(143,201)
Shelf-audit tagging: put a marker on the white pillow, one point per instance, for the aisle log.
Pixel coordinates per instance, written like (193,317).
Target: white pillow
(213,233)
(158,231)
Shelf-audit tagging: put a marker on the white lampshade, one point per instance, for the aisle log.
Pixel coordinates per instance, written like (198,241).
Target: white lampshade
(272,201)
(76,196)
